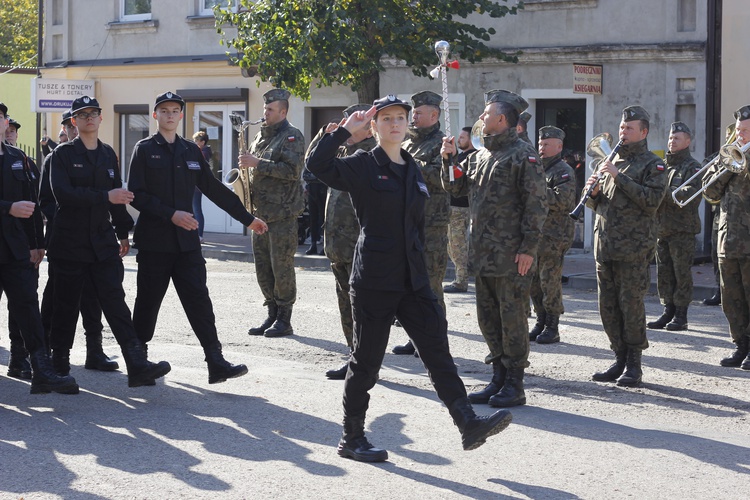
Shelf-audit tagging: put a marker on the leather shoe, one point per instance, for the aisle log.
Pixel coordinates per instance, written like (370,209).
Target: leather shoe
(407,348)
(714,300)
(337,373)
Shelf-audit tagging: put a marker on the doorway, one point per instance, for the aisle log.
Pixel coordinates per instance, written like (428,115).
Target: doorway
(222,138)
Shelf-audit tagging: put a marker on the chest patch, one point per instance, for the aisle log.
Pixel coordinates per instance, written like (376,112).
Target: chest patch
(382,177)
(156,157)
(193,165)
(423,187)
(17,165)
(78,165)
(111,173)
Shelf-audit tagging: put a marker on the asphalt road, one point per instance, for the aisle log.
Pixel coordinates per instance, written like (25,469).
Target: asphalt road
(272,433)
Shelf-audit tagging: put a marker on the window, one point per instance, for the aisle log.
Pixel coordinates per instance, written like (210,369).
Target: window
(207,6)
(135,10)
(133,128)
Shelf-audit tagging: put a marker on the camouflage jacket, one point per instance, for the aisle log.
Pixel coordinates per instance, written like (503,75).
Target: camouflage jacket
(507,203)
(625,226)
(424,147)
(561,199)
(671,218)
(341,228)
(732,191)
(276,182)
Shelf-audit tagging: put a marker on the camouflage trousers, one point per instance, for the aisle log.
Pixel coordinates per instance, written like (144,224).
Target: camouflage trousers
(622,288)
(735,295)
(458,244)
(501,318)
(436,257)
(674,260)
(341,272)
(273,252)
(546,283)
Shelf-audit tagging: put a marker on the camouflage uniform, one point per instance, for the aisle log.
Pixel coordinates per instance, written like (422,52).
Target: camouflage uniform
(340,234)
(424,147)
(624,241)
(508,205)
(677,227)
(277,199)
(557,237)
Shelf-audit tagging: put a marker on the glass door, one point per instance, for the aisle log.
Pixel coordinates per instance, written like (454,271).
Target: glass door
(222,138)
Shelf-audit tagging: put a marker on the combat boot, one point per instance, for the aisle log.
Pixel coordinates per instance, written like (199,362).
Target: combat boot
(61,361)
(550,334)
(338,373)
(272,312)
(498,379)
(666,317)
(474,429)
(679,322)
(44,379)
(313,250)
(633,373)
(141,371)
(95,357)
(355,445)
(512,393)
(541,320)
(282,326)
(407,348)
(715,299)
(739,354)
(219,369)
(746,364)
(18,364)
(615,370)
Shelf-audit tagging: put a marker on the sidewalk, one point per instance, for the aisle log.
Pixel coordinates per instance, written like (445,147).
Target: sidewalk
(579,267)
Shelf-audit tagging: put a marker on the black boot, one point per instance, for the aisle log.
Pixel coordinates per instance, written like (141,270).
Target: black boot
(498,379)
(313,250)
(44,379)
(273,311)
(615,370)
(355,445)
(633,373)
(475,430)
(338,373)
(95,357)
(679,322)
(665,318)
(61,361)
(407,348)
(141,371)
(282,326)
(512,393)
(739,354)
(219,369)
(550,334)
(18,364)
(746,364)
(541,320)
(715,299)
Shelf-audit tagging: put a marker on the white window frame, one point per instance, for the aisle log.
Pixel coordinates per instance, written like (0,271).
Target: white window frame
(133,17)
(203,11)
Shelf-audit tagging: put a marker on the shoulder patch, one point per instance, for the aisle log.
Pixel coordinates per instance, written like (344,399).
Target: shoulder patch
(291,138)
(660,167)
(565,176)
(532,159)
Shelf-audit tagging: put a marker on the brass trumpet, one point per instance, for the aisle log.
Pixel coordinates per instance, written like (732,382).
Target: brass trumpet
(599,148)
(731,157)
(239,178)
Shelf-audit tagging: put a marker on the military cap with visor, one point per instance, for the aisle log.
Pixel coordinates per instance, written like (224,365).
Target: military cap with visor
(66,116)
(84,102)
(426,98)
(550,132)
(388,101)
(636,112)
(13,123)
(276,95)
(4,109)
(515,100)
(169,97)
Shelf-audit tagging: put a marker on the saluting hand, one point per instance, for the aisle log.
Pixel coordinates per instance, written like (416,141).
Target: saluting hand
(185,220)
(120,196)
(358,120)
(22,209)
(333,126)
(448,149)
(258,226)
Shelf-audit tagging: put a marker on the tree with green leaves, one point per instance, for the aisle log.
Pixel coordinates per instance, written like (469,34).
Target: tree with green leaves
(18,35)
(293,43)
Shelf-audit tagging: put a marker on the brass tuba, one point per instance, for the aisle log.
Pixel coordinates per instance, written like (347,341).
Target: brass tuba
(239,178)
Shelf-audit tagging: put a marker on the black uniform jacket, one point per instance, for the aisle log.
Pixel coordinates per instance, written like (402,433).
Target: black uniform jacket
(19,180)
(121,219)
(81,181)
(389,254)
(163,183)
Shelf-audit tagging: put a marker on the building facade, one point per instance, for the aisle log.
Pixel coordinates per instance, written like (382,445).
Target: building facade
(580,63)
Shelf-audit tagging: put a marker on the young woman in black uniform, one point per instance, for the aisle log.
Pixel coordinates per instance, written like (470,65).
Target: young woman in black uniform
(389,277)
